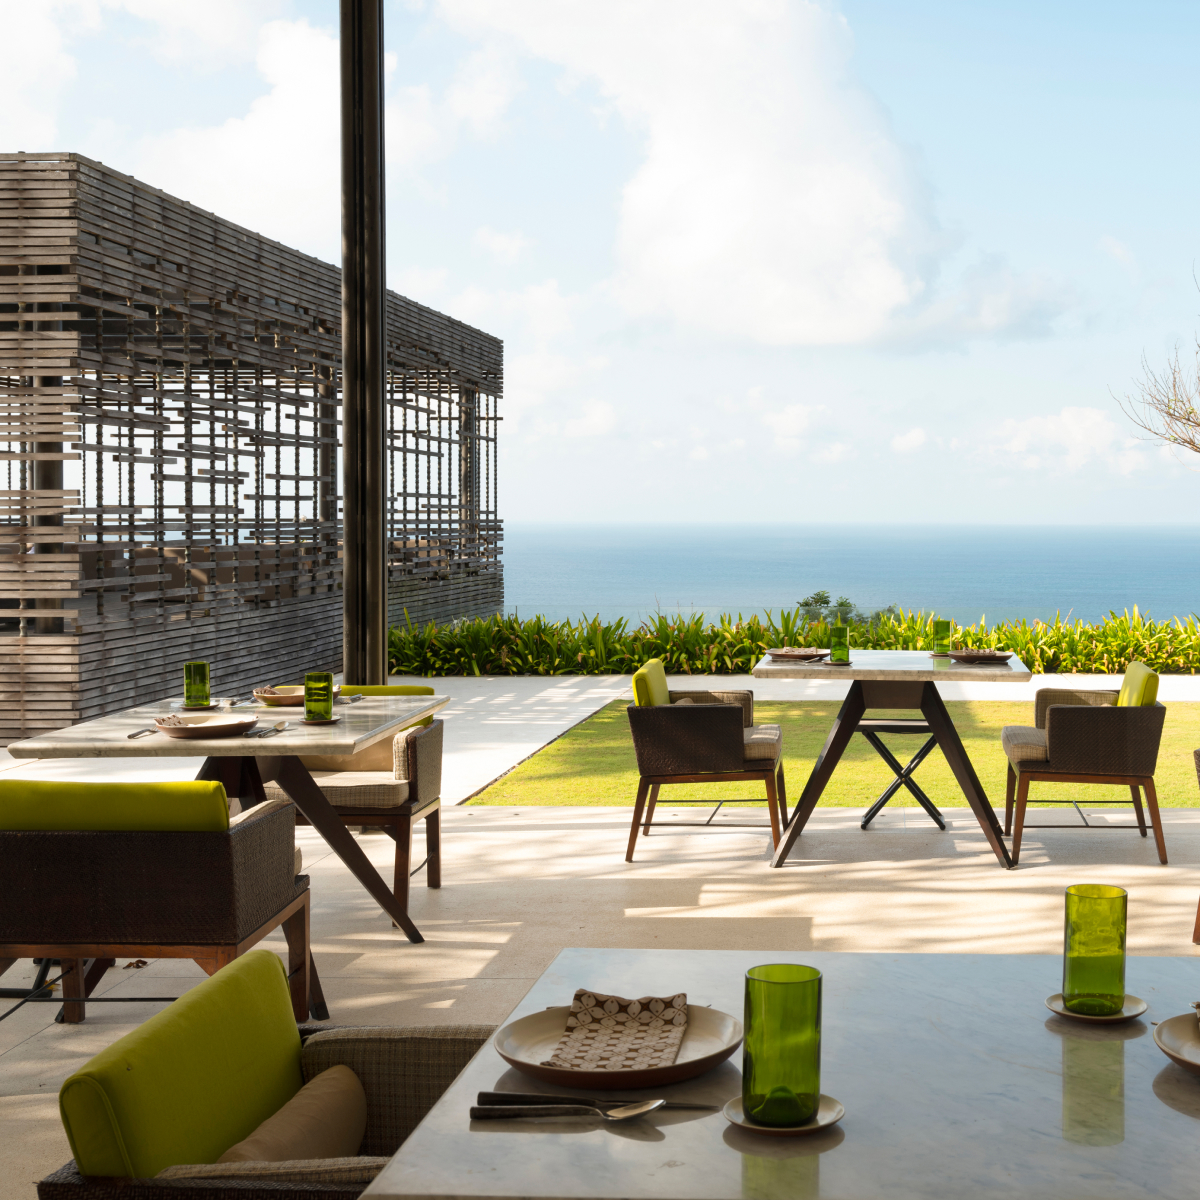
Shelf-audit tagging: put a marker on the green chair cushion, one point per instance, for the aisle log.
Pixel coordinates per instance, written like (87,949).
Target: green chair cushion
(191,1081)
(1139,688)
(650,685)
(191,807)
(371,689)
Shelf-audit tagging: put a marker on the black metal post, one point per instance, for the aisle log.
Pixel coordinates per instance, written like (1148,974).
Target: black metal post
(364,317)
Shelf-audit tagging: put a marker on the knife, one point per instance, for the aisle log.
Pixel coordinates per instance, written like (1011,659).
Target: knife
(510,1098)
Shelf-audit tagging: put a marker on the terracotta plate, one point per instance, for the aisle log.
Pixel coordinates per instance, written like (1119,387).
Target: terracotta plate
(829,1112)
(711,1037)
(208,726)
(1179,1039)
(1133,1008)
(289,697)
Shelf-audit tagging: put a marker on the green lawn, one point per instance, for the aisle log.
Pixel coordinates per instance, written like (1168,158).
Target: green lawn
(594,764)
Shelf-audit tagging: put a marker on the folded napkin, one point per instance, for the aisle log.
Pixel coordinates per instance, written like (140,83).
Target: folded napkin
(610,1033)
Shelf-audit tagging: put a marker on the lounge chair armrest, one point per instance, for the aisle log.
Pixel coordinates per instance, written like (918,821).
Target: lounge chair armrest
(403,1070)
(745,699)
(687,739)
(1086,740)
(1048,696)
(418,759)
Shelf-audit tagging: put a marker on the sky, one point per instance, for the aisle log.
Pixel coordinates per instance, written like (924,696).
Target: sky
(753,261)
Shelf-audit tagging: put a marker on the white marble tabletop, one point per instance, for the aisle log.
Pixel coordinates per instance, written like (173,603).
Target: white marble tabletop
(956,1079)
(361,723)
(916,666)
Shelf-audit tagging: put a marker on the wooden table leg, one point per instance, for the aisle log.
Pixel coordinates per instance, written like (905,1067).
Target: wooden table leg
(942,728)
(289,773)
(835,744)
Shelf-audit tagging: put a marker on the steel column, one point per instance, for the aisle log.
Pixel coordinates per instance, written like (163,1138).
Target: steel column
(364,370)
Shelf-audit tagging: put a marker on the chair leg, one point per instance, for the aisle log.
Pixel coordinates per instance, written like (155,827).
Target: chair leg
(74,990)
(433,848)
(296,930)
(1022,798)
(1196,931)
(317,1009)
(402,832)
(638,805)
(773,808)
(781,793)
(1010,790)
(650,806)
(1137,808)
(1155,819)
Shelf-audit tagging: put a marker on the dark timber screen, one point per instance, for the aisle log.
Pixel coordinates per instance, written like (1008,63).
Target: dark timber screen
(169,396)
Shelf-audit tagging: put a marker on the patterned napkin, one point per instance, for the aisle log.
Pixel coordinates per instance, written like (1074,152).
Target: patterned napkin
(610,1033)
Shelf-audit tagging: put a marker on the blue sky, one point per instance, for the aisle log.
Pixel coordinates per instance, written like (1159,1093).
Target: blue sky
(764,261)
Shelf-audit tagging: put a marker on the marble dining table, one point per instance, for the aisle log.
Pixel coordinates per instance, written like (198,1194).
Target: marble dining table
(957,1083)
(244,764)
(894,679)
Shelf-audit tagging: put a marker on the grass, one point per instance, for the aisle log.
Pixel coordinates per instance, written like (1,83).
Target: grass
(593,763)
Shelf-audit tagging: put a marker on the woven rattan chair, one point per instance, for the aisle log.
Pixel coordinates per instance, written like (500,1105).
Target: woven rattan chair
(698,736)
(1087,737)
(89,897)
(403,1072)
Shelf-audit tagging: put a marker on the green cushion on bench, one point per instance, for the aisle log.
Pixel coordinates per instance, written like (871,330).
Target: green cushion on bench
(191,807)
(193,1080)
(1139,688)
(650,685)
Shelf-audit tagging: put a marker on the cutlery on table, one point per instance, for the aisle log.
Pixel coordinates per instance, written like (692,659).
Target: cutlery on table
(278,727)
(493,1098)
(351,699)
(137,733)
(508,1112)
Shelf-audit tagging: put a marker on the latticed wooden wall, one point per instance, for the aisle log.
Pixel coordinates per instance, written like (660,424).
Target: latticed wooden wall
(169,421)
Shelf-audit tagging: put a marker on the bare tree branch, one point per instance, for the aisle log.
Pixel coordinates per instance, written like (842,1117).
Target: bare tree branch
(1167,402)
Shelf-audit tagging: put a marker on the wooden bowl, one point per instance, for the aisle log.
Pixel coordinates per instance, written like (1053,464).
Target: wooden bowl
(210,725)
(291,696)
(1179,1039)
(711,1037)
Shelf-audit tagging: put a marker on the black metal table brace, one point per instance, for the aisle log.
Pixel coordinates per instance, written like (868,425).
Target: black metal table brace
(872,693)
(871,729)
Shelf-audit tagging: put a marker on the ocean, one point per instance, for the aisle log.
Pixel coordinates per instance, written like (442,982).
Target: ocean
(966,573)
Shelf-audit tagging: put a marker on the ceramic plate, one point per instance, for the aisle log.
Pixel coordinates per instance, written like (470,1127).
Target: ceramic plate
(976,657)
(289,696)
(1133,1008)
(331,721)
(1179,1039)
(827,663)
(711,1037)
(207,726)
(829,1112)
(802,653)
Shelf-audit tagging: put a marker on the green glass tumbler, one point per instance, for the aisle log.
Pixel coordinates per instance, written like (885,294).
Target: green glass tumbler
(196,693)
(941,637)
(1094,950)
(839,643)
(318,696)
(781,1054)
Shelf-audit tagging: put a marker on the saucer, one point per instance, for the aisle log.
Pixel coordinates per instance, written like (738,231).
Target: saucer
(825,662)
(331,721)
(1134,1007)
(829,1112)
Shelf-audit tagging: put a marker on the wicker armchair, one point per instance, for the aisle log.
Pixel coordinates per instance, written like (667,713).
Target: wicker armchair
(1084,737)
(90,896)
(698,736)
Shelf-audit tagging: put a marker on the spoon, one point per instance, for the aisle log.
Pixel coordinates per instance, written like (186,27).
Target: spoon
(278,727)
(505,1112)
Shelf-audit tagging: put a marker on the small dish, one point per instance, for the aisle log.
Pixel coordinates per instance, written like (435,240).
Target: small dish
(801,653)
(829,1112)
(827,662)
(978,657)
(1179,1039)
(288,696)
(938,654)
(206,726)
(711,1037)
(331,721)
(199,707)
(1134,1007)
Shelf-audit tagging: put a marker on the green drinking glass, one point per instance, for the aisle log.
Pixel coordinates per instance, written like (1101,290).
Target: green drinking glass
(781,1054)
(941,637)
(1094,950)
(318,696)
(839,643)
(196,693)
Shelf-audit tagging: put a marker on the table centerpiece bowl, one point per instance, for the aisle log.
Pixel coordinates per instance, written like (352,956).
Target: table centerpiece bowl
(208,726)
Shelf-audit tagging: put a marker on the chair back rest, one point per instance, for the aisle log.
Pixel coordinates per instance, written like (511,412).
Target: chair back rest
(196,806)
(1139,688)
(191,1081)
(650,685)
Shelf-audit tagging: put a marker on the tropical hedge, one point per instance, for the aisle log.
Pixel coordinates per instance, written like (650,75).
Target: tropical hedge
(690,645)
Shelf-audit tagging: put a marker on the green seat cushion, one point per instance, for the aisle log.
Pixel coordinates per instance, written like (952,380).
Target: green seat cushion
(193,1080)
(1139,688)
(372,689)
(191,807)
(650,685)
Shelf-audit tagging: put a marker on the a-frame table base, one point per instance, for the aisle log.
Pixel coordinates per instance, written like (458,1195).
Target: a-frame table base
(865,694)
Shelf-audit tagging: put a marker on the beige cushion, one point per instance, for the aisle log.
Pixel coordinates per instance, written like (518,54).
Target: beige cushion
(1022,743)
(302,1170)
(356,789)
(297,861)
(375,757)
(326,1118)
(762,742)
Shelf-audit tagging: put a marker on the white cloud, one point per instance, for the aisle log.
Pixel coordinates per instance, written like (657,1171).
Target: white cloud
(699,454)
(597,418)
(504,247)
(1067,441)
(206,34)
(483,87)
(787,424)
(1117,250)
(906,443)
(835,452)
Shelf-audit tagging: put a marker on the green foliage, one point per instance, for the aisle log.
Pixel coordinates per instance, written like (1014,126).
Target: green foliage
(690,646)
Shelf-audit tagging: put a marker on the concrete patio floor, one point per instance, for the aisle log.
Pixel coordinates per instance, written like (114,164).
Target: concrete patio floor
(521,884)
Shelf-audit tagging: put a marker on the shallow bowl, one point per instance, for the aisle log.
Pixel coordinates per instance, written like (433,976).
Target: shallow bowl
(213,725)
(291,696)
(1179,1039)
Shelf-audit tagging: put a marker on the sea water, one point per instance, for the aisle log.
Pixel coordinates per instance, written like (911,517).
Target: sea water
(961,572)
